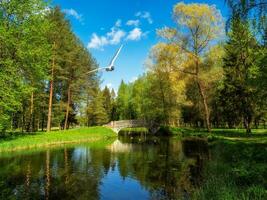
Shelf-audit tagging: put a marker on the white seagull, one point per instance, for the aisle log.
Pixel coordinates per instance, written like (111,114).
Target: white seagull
(111,66)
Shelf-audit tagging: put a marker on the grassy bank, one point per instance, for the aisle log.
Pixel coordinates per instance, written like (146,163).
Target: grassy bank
(42,139)
(216,131)
(237,170)
(257,135)
(237,167)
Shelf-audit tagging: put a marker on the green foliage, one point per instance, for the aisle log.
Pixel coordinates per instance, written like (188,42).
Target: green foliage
(124,104)
(24,53)
(239,95)
(96,112)
(252,10)
(36,40)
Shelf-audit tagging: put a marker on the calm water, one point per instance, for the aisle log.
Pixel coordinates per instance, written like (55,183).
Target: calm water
(128,168)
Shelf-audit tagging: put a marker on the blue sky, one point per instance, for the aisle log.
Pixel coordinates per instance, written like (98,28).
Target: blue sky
(103,25)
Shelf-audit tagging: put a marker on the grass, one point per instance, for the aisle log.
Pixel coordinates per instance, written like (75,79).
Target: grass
(237,170)
(40,139)
(257,135)
(218,131)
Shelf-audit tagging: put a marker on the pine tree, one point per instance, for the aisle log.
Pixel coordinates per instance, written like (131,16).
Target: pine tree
(107,102)
(239,95)
(96,111)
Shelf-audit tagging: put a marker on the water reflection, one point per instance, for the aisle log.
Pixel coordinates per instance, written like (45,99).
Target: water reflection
(129,168)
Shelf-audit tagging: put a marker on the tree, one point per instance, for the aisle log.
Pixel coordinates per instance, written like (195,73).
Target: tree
(198,26)
(107,102)
(24,56)
(239,94)
(59,43)
(167,86)
(40,56)
(76,79)
(96,111)
(122,101)
(253,11)
(113,112)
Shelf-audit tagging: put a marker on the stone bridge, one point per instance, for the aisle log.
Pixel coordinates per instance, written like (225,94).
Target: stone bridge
(116,126)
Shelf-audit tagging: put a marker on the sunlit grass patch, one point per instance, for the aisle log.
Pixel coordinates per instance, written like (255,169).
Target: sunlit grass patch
(41,139)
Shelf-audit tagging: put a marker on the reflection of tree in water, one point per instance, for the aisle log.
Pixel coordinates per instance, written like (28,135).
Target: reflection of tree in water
(159,166)
(65,174)
(196,148)
(156,165)
(47,174)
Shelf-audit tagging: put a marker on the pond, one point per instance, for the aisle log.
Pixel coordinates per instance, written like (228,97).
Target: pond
(127,168)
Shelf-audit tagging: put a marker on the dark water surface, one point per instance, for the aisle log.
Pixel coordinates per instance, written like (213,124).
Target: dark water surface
(129,168)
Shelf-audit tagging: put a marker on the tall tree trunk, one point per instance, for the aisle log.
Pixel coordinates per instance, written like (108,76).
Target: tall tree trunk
(23,120)
(67,109)
(31,112)
(206,108)
(38,123)
(42,123)
(51,97)
(163,103)
(247,123)
(202,94)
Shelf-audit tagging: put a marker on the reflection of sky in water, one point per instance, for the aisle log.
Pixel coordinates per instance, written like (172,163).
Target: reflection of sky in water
(114,186)
(80,153)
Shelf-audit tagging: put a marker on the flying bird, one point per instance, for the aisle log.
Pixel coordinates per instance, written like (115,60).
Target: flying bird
(111,66)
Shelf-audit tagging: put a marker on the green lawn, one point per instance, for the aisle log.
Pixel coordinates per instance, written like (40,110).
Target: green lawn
(42,139)
(236,170)
(257,135)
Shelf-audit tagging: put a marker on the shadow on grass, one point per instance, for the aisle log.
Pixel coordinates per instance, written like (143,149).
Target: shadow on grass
(14,135)
(235,133)
(238,133)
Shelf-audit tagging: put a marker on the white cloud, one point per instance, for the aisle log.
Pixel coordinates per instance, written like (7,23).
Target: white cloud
(133,22)
(145,15)
(135,34)
(73,13)
(97,42)
(115,35)
(111,38)
(118,23)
